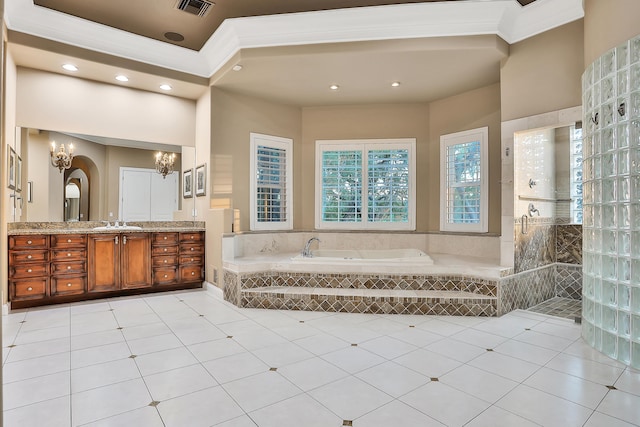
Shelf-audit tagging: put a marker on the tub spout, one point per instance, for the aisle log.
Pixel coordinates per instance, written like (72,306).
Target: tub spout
(306,252)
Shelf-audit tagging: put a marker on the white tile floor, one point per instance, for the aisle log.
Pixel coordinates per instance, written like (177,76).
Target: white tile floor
(190,359)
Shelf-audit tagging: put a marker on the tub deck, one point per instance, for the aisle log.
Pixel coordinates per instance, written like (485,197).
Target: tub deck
(450,286)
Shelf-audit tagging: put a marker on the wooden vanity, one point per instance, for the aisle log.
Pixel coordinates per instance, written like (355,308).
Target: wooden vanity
(59,267)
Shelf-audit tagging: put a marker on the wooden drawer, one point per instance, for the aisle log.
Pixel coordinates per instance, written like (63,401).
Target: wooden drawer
(70,285)
(191,237)
(28,289)
(68,255)
(164,239)
(29,270)
(191,248)
(61,241)
(191,273)
(165,275)
(165,260)
(164,250)
(19,257)
(28,242)
(191,259)
(72,267)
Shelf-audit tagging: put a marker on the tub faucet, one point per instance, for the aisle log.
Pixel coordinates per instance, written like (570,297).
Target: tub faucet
(306,252)
(532,210)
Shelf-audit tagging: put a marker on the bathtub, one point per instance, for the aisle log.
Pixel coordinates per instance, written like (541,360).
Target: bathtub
(395,256)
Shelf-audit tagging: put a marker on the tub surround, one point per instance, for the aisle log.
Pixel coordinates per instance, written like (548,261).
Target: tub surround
(264,270)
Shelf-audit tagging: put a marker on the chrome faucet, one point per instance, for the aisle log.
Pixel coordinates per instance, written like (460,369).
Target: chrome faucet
(306,252)
(532,210)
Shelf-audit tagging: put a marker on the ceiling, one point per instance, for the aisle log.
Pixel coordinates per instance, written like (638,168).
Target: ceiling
(155,18)
(434,49)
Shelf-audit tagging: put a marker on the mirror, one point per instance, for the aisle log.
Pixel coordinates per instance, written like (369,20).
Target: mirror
(93,188)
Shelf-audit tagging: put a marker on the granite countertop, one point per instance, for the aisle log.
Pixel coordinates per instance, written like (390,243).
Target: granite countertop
(88,227)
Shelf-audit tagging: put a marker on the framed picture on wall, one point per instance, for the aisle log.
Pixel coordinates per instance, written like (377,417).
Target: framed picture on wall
(11,168)
(201,181)
(187,183)
(19,174)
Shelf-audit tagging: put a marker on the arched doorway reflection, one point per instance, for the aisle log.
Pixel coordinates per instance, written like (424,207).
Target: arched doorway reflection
(76,195)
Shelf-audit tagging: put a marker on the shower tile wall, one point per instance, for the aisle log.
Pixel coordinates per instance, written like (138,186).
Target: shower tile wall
(536,247)
(611,286)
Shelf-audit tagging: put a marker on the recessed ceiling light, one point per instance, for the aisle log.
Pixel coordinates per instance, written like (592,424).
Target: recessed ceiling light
(165,87)
(70,67)
(334,87)
(122,78)
(237,67)
(395,84)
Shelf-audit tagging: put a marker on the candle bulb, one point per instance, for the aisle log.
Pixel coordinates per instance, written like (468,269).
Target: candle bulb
(70,148)
(53,147)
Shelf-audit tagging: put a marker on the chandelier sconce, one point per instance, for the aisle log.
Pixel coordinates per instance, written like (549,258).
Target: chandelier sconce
(61,159)
(164,163)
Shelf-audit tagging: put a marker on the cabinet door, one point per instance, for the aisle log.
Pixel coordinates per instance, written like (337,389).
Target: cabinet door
(136,260)
(104,262)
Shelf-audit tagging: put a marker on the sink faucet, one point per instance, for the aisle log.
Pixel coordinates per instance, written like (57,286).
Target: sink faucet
(106,223)
(532,210)
(306,252)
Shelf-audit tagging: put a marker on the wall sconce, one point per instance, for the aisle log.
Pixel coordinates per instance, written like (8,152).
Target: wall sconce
(61,159)
(164,163)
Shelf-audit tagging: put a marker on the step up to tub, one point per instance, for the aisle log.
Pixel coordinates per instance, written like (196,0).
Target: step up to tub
(359,300)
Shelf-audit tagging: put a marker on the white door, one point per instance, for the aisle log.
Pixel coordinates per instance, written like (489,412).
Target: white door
(146,196)
(164,196)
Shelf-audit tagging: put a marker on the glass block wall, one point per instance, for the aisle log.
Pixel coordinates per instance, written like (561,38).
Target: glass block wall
(611,190)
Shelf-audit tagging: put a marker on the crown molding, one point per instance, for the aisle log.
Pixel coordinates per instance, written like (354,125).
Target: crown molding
(505,18)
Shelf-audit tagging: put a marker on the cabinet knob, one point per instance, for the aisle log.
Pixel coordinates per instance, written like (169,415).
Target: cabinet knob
(192,237)
(193,273)
(192,248)
(165,261)
(191,259)
(29,271)
(29,288)
(68,267)
(165,249)
(28,242)
(165,276)
(68,285)
(68,240)
(29,257)
(165,237)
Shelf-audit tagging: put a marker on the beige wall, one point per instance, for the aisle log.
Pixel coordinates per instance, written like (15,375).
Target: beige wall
(470,110)
(543,73)
(607,24)
(360,122)
(58,102)
(233,118)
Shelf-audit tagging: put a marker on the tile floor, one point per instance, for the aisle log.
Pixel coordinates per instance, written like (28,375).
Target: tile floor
(560,307)
(190,359)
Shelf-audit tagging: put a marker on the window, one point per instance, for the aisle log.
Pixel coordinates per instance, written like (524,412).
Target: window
(463,181)
(270,185)
(365,184)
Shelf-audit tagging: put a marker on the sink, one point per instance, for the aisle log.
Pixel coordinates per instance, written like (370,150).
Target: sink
(118,228)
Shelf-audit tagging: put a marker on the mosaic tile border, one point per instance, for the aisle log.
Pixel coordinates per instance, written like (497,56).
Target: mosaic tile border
(277,290)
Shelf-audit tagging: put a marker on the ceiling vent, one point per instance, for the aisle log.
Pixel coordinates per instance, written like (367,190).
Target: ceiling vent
(195,7)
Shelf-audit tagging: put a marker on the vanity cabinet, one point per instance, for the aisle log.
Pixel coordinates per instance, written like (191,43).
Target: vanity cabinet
(68,264)
(56,268)
(119,261)
(164,258)
(191,257)
(28,267)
